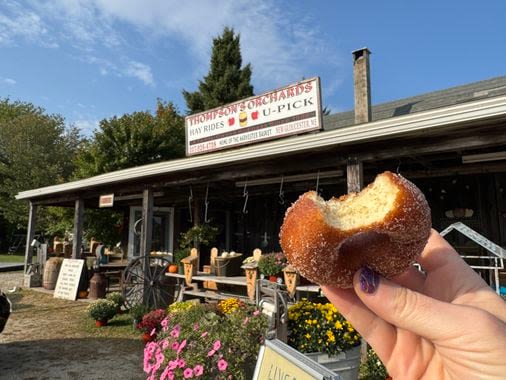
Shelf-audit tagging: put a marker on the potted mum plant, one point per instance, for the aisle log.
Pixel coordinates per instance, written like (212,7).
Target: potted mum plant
(151,324)
(271,265)
(117,298)
(320,332)
(102,311)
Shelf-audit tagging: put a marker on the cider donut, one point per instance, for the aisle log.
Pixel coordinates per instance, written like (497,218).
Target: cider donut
(384,227)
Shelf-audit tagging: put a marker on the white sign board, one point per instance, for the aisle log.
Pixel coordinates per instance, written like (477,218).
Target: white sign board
(106,200)
(286,111)
(277,360)
(68,279)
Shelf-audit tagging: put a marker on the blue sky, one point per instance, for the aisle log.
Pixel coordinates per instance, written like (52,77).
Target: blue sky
(93,59)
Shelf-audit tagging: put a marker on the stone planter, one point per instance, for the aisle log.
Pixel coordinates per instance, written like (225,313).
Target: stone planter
(346,364)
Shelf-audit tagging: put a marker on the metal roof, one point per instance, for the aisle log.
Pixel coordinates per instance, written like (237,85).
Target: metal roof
(432,119)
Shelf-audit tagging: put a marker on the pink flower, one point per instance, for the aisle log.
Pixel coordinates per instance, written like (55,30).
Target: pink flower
(198,370)
(256,312)
(165,374)
(181,363)
(216,345)
(204,334)
(175,331)
(175,346)
(211,353)
(196,326)
(165,344)
(188,373)
(246,320)
(172,364)
(181,346)
(165,324)
(153,332)
(222,365)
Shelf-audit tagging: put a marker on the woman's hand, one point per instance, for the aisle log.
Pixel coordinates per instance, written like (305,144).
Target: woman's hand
(445,324)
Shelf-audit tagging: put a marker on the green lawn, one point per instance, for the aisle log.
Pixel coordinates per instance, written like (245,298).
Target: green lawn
(5,258)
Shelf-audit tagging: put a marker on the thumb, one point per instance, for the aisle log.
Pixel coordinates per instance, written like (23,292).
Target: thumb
(408,309)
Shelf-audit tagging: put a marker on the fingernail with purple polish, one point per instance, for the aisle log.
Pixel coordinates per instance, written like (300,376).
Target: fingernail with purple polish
(369,280)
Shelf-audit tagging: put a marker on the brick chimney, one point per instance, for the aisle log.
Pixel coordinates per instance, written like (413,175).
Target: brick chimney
(362,85)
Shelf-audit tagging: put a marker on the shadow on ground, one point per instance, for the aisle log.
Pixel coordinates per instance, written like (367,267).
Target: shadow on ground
(72,359)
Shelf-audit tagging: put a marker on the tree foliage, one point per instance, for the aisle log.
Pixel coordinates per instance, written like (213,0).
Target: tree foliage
(36,150)
(226,81)
(131,140)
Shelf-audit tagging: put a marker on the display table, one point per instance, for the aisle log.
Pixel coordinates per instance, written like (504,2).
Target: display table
(238,281)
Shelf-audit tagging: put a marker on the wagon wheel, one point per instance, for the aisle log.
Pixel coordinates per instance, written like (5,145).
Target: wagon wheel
(150,287)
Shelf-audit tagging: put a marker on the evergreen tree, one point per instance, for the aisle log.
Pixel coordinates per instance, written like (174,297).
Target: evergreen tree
(226,81)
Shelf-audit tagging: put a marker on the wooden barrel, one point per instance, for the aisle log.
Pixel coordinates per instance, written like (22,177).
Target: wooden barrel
(51,271)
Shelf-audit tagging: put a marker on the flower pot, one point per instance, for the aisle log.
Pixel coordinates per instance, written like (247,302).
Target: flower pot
(100,323)
(346,363)
(147,337)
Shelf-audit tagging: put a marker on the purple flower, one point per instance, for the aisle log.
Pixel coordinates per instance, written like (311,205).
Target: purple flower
(222,365)
(198,370)
(216,345)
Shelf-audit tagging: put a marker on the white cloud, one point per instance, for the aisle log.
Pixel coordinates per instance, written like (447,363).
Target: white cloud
(17,22)
(140,71)
(279,51)
(8,81)
(280,44)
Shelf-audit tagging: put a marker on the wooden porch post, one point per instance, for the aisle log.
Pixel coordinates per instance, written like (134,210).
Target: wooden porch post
(30,233)
(78,229)
(354,175)
(355,182)
(146,237)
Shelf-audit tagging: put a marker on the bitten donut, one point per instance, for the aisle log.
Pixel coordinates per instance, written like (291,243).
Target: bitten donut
(384,227)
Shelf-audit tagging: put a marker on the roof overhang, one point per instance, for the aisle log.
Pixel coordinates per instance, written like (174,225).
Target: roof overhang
(427,121)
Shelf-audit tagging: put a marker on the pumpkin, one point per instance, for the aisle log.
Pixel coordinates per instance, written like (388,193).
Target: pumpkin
(172,268)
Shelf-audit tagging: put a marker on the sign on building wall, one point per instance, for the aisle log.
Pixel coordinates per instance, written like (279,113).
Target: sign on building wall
(106,200)
(286,111)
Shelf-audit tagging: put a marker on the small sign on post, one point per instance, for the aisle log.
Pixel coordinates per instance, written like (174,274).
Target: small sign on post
(106,200)
(68,279)
(277,360)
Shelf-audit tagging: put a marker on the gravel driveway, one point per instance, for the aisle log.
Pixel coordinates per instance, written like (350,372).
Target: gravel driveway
(45,339)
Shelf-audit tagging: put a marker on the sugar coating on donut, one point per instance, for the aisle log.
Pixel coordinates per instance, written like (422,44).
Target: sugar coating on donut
(384,227)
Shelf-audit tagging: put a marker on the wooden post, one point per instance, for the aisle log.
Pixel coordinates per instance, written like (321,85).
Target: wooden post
(146,237)
(355,181)
(78,229)
(291,280)
(30,233)
(354,175)
(251,280)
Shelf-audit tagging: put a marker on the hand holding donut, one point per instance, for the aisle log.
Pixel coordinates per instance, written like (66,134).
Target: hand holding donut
(445,324)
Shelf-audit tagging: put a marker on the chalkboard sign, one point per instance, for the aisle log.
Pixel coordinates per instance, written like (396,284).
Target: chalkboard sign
(68,279)
(278,361)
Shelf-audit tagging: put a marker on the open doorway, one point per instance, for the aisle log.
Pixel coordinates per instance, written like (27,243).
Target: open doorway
(163,230)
